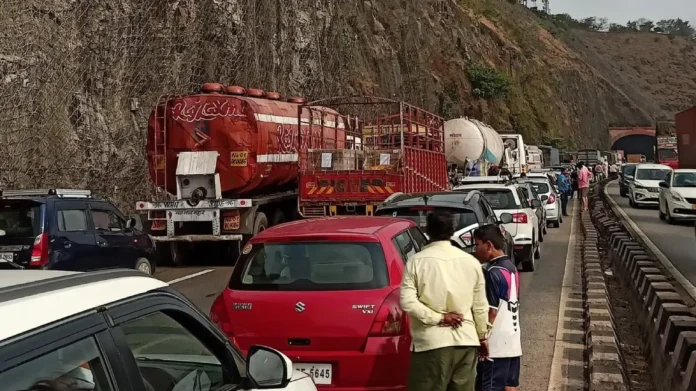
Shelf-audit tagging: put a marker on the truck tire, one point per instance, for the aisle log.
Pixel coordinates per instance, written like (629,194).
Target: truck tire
(178,253)
(260,223)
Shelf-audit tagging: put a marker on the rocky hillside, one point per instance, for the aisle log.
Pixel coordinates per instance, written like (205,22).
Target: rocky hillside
(78,78)
(656,72)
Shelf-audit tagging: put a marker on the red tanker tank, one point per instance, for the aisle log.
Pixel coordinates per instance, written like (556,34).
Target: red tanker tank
(254,132)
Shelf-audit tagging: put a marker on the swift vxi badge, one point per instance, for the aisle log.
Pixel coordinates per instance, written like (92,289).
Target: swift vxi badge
(241,306)
(366,309)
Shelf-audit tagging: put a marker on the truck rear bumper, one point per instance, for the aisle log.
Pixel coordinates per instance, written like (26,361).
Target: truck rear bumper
(197,238)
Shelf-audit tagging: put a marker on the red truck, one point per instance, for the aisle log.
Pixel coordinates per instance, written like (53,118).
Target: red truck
(392,147)
(225,163)
(686,137)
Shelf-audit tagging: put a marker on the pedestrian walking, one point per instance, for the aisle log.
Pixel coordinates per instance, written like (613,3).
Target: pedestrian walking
(584,177)
(443,291)
(500,369)
(564,188)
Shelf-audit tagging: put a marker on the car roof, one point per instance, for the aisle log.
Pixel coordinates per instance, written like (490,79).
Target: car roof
(30,299)
(653,165)
(332,226)
(444,199)
(477,186)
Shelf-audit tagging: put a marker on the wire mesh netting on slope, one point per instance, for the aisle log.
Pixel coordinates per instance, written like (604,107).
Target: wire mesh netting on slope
(78,78)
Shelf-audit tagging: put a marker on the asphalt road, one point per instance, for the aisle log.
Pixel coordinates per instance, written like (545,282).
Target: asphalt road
(676,242)
(540,296)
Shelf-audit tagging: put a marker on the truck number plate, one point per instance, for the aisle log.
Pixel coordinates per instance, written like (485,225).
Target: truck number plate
(192,215)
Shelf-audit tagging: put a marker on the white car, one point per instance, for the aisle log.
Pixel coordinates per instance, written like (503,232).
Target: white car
(644,189)
(549,197)
(524,228)
(678,195)
(121,329)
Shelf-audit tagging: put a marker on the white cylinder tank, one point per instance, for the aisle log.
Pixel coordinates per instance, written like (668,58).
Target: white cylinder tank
(471,139)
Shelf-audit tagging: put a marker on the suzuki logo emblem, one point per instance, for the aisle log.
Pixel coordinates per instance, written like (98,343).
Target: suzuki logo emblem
(299,307)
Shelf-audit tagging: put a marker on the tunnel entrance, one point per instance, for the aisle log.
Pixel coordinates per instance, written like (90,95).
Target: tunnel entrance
(638,144)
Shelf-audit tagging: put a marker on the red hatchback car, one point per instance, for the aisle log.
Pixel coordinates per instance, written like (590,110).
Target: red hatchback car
(326,293)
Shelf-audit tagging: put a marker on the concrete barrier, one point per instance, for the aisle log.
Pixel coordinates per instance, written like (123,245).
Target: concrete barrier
(605,371)
(667,322)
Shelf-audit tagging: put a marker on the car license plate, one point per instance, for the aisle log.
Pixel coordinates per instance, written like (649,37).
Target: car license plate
(6,257)
(321,373)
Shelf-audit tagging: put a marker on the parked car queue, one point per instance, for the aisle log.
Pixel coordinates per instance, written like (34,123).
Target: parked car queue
(341,275)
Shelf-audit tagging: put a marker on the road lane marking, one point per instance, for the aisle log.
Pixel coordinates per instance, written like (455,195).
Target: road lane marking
(557,378)
(683,281)
(190,276)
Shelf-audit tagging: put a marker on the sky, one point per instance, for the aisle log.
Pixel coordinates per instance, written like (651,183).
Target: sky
(621,11)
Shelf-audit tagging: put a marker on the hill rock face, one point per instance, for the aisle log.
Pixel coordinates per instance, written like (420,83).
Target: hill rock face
(79,78)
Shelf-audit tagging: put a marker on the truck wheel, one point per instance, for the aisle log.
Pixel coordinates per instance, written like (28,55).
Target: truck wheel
(260,223)
(178,253)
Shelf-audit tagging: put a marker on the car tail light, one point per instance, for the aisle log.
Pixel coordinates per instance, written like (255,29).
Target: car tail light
(466,239)
(39,253)
(220,316)
(390,320)
(520,218)
(552,199)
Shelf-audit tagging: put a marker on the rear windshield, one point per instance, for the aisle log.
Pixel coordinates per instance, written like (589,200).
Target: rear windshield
(462,217)
(540,187)
(311,266)
(652,174)
(20,219)
(500,199)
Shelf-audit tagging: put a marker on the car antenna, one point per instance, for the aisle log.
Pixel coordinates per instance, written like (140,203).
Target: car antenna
(425,199)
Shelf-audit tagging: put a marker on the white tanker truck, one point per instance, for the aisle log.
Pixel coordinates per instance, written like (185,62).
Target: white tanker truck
(472,146)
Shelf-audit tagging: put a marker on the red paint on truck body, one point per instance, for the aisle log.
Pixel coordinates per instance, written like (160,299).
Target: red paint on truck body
(257,138)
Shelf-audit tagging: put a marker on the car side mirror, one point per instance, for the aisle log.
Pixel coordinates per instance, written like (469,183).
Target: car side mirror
(130,224)
(268,368)
(505,218)
(544,198)
(536,204)
(663,184)
(629,177)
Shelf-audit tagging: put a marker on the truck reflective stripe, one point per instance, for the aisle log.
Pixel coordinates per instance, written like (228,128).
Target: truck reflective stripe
(370,189)
(331,189)
(389,190)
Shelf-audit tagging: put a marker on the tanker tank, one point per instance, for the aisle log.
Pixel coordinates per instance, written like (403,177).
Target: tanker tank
(470,139)
(254,132)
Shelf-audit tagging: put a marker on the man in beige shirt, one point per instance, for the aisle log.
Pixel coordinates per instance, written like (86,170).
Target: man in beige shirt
(443,292)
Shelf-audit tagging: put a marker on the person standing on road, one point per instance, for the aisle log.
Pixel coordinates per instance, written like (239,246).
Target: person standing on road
(500,369)
(584,177)
(573,183)
(564,187)
(443,291)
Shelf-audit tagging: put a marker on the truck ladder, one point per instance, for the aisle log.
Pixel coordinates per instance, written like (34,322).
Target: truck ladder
(160,140)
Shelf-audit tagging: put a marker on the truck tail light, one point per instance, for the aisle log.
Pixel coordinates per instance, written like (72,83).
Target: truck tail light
(519,218)
(39,253)
(390,320)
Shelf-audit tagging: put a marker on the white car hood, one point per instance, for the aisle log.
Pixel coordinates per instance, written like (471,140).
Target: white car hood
(647,183)
(686,192)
